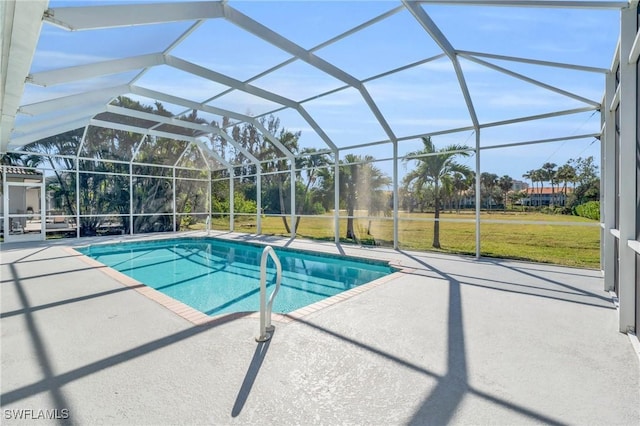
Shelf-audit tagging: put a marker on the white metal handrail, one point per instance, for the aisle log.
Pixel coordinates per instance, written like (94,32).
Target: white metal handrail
(266,329)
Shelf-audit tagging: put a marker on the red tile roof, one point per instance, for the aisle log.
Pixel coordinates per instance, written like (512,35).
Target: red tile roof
(546,190)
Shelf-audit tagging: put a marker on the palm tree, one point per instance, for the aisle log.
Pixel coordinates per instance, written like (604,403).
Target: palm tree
(530,174)
(311,161)
(279,165)
(446,192)
(489,182)
(62,144)
(538,177)
(505,183)
(566,174)
(30,161)
(362,185)
(375,197)
(517,196)
(349,187)
(460,185)
(10,159)
(433,165)
(325,188)
(549,173)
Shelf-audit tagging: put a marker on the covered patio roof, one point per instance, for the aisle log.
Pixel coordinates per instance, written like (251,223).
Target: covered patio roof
(401,70)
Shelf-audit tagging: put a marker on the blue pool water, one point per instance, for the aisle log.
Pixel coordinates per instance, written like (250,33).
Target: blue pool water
(216,276)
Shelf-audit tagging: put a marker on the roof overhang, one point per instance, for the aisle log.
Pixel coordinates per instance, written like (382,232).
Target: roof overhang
(21,23)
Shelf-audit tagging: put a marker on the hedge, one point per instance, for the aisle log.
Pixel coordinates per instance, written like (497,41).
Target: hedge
(590,210)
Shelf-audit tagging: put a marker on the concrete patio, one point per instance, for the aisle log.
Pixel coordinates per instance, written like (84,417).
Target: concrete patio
(450,340)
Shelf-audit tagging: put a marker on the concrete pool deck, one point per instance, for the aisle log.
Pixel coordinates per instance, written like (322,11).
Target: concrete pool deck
(450,340)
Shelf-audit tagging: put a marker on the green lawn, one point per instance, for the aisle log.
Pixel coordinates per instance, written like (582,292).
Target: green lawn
(561,243)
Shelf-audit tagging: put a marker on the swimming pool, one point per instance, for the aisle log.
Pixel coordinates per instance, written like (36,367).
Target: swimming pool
(216,276)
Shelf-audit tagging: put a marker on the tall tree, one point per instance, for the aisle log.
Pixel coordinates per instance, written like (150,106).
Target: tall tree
(375,197)
(10,159)
(530,174)
(349,176)
(549,175)
(505,183)
(23,160)
(538,180)
(461,184)
(275,164)
(587,181)
(488,182)
(308,163)
(63,144)
(104,184)
(432,165)
(362,186)
(566,174)
(586,170)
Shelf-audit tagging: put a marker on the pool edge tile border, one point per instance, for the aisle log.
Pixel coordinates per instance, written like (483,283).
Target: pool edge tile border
(338,298)
(180,309)
(198,318)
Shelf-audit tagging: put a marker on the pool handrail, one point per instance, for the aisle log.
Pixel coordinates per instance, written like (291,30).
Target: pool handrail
(266,329)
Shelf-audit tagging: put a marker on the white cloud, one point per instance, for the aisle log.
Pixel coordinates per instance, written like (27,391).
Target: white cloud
(452,123)
(298,86)
(442,65)
(417,92)
(343,98)
(54,59)
(528,99)
(300,129)
(560,47)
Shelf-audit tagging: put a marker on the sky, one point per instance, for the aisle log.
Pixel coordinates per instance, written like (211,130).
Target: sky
(421,99)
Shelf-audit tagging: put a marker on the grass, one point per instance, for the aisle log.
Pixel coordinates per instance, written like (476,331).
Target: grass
(561,242)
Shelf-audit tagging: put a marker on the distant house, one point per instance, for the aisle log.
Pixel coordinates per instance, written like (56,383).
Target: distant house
(545,196)
(519,185)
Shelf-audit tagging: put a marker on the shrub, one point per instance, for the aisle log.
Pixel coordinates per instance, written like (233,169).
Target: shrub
(551,210)
(240,205)
(590,210)
(317,208)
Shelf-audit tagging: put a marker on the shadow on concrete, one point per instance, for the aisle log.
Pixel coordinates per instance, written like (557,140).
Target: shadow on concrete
(426,417)
(602,305)
(548,268)
(441,405)
(51,274)
(59,400)
(52,383)
(289,241)
(562,289)
(47,259)
(25,310)
(265,238)
(554,282)
(493,282)
(250,377)
(22,259)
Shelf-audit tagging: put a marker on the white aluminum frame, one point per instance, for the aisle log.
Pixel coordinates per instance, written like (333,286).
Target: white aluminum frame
(22,22)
